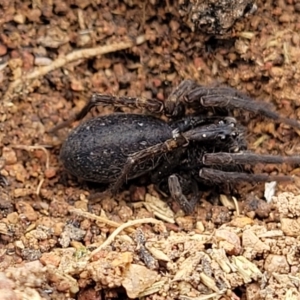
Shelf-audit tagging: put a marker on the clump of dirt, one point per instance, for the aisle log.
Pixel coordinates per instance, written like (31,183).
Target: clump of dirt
(214,16)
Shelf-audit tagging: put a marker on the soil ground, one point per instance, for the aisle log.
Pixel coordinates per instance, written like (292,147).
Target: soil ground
(54,243)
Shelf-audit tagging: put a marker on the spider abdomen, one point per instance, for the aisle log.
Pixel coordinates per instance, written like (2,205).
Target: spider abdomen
(97,149)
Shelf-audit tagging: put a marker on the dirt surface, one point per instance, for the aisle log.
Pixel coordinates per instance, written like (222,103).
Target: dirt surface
(54,243)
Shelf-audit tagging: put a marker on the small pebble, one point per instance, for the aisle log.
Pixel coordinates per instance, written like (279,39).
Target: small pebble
(3,49)
(26,209)
(9,156)
(50,173)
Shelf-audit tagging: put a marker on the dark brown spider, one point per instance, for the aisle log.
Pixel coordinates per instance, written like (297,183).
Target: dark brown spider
(182,154)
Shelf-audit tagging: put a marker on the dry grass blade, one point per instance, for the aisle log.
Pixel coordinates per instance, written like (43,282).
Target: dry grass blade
(152,289)
(120,229)
(204,297)
(90,216)
(246,269)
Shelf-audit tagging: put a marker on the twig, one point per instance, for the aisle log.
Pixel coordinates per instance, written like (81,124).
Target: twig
(61,61)
(90,216)
(120,229)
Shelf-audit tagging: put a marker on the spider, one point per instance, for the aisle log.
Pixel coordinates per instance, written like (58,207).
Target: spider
(180,155)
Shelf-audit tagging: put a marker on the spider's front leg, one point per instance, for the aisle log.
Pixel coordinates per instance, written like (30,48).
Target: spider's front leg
(226,97)
(174,105)
(189,92)
(152,105)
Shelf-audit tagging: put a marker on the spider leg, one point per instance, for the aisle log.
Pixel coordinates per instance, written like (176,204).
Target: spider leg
(152,105)
(212,131)
(145,155)
(177,194)
(204,133)
(193,121)
(174,104)
(230,98)
(220,97)
(222,158)
(3,181)
(215,176)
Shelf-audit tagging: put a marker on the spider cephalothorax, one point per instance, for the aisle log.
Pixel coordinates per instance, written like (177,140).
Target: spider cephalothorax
(182,153)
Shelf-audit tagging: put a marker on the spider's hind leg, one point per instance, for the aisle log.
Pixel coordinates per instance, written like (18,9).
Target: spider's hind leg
(175,188)
(152,105)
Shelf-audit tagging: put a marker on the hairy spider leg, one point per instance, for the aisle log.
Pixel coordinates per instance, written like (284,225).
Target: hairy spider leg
(192,121)
(223,158)
(187,91)
(220,97)
(145,155)
(217,176)
(177,194)
(152,105)
(200,134)
(174,104)
(226,97)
